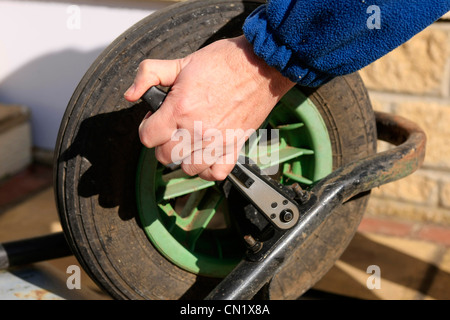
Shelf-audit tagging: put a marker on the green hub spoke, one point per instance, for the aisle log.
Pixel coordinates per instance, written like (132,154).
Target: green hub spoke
(285,154)
(183,185)
(196,214)
(297,178)
(291,126)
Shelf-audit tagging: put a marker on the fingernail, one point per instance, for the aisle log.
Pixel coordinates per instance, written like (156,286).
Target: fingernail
(145,118)
(147,115)
(130,90)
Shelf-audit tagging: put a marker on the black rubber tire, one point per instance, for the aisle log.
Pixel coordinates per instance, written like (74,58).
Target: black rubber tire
(98,147)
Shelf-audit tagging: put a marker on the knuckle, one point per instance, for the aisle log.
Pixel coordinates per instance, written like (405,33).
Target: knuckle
(181,106)
(186,169)
(146,69)
(144,65)
(219,174)
(162,156)
(189,169)
(145,139)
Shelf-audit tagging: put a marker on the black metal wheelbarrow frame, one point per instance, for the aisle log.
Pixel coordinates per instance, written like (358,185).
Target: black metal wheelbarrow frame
(250,275)
(329,193)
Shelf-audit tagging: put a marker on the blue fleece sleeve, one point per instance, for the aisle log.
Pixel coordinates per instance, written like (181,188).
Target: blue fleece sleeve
(313,41)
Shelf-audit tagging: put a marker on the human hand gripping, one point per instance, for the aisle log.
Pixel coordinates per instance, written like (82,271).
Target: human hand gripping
(221,88)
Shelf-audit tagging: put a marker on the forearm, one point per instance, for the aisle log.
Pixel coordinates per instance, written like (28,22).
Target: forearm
(313,41)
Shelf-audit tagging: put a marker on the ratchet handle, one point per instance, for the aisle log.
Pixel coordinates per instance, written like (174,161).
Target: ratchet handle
(154,97)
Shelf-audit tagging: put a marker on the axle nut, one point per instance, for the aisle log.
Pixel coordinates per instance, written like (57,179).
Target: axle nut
(286,215)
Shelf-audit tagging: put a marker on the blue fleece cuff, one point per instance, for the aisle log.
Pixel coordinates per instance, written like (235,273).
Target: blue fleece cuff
(259,33)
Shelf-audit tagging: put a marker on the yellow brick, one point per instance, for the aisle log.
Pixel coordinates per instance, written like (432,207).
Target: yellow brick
(379,103)
(383,207)
(416,188)
(445,195)
(418,66)
(434,119)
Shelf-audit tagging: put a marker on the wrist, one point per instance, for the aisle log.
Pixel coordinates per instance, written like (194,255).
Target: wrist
(277,83)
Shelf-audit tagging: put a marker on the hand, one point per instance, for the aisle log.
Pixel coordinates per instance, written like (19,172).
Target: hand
(221,87)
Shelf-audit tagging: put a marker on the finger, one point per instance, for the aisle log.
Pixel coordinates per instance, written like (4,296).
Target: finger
(158,128)
(222,167)
(224,164)
(218,171)
(176,149)
(181,146)
(198,161)
(150,73)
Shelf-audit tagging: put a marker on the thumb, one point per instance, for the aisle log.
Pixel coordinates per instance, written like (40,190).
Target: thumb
(150,73)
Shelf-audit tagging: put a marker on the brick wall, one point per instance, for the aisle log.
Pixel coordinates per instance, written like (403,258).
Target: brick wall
(414,81)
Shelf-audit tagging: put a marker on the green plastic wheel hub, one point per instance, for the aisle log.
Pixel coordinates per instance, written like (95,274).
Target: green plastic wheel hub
(187,218)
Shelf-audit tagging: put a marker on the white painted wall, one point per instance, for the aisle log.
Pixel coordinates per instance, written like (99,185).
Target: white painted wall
(46,47)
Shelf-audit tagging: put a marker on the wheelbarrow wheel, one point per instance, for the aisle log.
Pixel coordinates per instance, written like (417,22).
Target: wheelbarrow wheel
(142,231)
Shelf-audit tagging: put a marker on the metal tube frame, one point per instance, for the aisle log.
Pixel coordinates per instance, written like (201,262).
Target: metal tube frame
(26,251)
